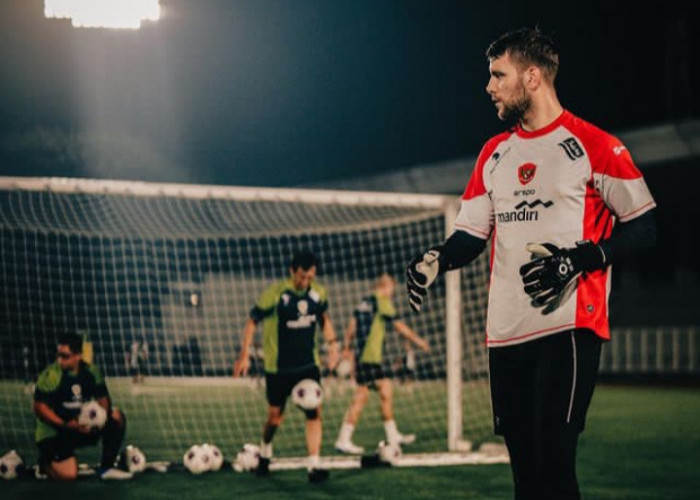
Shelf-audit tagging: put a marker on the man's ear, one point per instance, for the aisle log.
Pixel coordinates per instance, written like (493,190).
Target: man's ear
(532,78)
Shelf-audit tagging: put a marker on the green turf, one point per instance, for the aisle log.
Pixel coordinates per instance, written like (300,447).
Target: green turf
(640,443)
(165,417)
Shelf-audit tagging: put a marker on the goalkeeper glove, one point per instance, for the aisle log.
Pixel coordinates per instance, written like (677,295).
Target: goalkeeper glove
(420,274)
(552,268)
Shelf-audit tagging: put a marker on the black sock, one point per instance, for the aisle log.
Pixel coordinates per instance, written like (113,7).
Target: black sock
(112,437)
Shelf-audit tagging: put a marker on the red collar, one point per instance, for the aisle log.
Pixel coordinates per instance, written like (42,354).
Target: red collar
(525,134)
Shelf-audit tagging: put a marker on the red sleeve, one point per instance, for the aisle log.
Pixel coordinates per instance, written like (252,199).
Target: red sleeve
(476,212)
(610,157)
(475,186)
(615,176)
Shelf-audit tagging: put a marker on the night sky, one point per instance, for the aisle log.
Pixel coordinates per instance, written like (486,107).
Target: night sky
(280,93)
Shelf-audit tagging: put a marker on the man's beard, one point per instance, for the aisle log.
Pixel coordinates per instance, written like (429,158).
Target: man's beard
(513,112)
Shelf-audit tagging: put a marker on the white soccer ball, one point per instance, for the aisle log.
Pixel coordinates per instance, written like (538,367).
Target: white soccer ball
(135,460)
(389,452)
(196,460)
(10,465)
(247,459)
(307,394)
(216,458)
(92,415)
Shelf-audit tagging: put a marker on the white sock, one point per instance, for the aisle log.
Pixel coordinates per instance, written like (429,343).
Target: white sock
(265,449)
(392,433)
(345,433)
(313,462)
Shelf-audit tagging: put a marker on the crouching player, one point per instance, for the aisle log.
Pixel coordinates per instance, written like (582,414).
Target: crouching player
(290,311)
(60,391)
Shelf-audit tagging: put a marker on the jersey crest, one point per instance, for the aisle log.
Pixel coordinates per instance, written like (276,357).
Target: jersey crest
(526,172)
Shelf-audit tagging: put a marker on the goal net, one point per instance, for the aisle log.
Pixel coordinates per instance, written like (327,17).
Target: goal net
(159,279)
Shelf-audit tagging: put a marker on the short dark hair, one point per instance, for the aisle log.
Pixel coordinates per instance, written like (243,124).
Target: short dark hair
(527,46)
(72,340)
(305,259)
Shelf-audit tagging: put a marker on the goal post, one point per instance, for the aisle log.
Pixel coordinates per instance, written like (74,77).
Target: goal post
(453,335)
(159,279)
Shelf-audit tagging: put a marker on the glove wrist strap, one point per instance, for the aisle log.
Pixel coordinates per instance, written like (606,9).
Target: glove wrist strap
(589,256)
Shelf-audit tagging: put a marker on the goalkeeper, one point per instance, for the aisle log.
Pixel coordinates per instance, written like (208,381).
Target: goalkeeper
(290,311)
(61,389)
(370,322)
(561,200)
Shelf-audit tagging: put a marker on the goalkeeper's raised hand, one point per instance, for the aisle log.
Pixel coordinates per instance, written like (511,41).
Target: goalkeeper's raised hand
(420,274)
(552,268)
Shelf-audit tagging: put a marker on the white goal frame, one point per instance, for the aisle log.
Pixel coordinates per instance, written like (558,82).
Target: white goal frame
(447,205)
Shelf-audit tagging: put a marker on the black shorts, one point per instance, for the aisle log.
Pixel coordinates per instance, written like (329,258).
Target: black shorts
(62,446)
(368,373)
(546,383)
(278,386)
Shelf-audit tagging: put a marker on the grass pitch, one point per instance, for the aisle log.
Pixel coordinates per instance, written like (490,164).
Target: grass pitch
(640,443)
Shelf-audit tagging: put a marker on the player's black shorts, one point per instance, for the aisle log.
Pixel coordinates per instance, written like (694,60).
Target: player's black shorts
(545,383)
(368,373)
(278,386)
(63,445)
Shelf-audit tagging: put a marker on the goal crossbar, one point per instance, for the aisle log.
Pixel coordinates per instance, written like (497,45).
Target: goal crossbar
(214,192)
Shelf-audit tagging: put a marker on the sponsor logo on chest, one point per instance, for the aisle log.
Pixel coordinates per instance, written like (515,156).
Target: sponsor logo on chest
(525,211)
(524,188)
(303,319)
(365,307)
(77,401)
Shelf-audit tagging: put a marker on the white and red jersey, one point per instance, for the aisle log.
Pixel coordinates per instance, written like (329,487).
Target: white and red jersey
(566,182)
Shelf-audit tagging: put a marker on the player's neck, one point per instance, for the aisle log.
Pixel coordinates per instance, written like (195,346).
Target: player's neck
(71,371)
(544,110)
(382,293)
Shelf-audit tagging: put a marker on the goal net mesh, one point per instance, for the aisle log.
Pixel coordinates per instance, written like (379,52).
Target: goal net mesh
(160,286)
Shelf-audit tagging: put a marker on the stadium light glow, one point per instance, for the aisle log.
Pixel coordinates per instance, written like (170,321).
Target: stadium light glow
(115,14)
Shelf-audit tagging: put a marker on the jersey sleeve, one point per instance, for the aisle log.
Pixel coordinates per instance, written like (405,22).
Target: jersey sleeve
(265,304)
(320,291)
(619,181)
(476,211)
(47,384)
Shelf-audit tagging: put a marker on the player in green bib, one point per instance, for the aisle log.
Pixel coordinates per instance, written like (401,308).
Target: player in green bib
(61,390)
(372,319)
(291,310)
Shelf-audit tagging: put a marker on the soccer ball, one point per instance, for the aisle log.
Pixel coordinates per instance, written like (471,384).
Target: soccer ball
(247,459)
(92,415)
(11,464)
(389,452)
(307,394)
(216,458)
(196,460)
(133,459)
